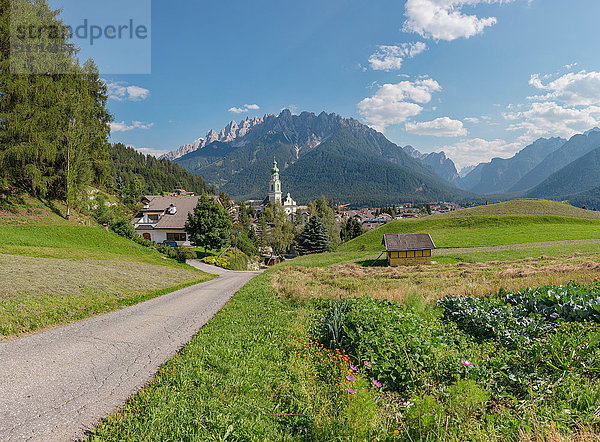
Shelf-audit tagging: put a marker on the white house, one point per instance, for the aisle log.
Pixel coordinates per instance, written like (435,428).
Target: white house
(163,218)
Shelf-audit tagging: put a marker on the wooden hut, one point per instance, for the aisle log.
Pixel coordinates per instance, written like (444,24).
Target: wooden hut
(408,249)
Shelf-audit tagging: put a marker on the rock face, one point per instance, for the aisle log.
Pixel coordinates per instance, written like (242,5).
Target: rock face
(439,162)
(318,154)
(229,133)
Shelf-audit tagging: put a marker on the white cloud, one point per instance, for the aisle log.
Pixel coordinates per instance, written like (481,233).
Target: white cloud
(388,58)
(570,105)
(472,120)
(149,151)
(117,126)
(119,91)
(444,19)
(543,118)
(440,127)
(575,89)
(477,150)
(395,103)
(245,108)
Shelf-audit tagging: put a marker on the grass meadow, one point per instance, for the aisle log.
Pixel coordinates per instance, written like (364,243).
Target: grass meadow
(332,347)
(55,271)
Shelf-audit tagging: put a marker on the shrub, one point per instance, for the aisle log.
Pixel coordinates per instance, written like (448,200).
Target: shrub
(142,241)
(184,253)
(166,250)
(124,228)
(213,260)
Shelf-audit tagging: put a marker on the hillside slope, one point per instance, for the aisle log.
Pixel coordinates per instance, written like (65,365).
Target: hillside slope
(481,231)
(156,175)
(575,148)
(501,174)
(523,207)
(580,176)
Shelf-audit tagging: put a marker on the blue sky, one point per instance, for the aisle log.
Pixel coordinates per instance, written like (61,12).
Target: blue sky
(475,78)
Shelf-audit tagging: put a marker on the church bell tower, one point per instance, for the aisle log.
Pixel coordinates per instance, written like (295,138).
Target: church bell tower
(275,184)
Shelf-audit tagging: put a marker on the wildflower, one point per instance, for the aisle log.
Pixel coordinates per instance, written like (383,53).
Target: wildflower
(428,384)
(351,391)
(367,364)
(353,368)
(376,383)
(351,378)
(396,432)
(466,363)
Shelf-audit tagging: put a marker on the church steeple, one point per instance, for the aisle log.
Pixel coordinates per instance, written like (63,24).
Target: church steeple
(275,184)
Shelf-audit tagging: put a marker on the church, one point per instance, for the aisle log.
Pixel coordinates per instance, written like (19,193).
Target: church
(289,205)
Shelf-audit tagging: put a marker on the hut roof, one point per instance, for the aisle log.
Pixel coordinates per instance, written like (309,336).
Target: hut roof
(406,242)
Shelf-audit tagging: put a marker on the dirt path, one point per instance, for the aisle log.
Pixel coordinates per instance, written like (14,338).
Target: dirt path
(531,245)
(57,384)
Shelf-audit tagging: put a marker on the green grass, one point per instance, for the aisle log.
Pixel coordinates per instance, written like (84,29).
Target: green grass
(523,207)
(38,293)
(55,271)
(74,242)
(481,231)
(514,254)
(242,377)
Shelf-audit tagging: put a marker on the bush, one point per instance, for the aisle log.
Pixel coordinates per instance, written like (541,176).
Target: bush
(215,261)
(184,253)
(124,228)
(241,263)
(167,251)
(142,241)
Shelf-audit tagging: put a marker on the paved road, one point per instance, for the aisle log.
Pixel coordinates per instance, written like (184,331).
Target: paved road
(57,384)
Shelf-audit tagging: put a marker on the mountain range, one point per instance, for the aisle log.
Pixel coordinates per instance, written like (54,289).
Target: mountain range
(318,154)
(347,161)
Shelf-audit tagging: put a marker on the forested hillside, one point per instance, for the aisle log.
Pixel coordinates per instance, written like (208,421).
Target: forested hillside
(156,176)
(55,125)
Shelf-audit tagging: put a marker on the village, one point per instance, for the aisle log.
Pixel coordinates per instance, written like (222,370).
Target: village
(163,217)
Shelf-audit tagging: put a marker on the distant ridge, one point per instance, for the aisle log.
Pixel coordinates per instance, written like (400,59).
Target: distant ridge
(575,148)
(327,154)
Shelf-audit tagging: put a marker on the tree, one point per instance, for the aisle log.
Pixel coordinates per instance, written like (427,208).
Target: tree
(314,238)
(323,208)
(298,219)
(282,231)
(53,120)
(208,225)
(351,228)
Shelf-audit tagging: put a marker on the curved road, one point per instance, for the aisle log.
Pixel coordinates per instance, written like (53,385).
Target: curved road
(57,384)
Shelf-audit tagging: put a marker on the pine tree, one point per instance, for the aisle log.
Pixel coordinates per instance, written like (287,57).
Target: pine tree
(314,238)
(208,225)
(323,208)
(55,126)
(351,228)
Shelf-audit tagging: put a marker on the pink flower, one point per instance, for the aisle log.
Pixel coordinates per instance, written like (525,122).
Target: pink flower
(428,384)
(466,363)
(376,383)
(367,364)
(351,391)
(353,368)
(351,378)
